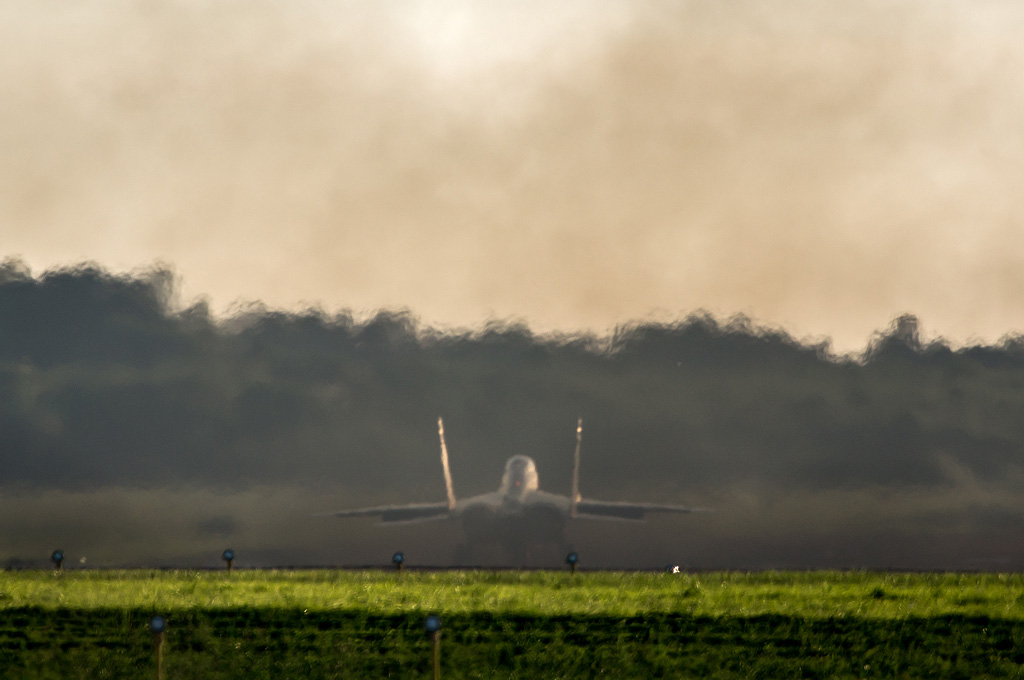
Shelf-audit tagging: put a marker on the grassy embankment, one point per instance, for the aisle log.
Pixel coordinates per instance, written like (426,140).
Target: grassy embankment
(336,624)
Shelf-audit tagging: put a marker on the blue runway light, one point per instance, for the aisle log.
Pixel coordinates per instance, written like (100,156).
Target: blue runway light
(157,624)
(57,557)
(228,555)
(433,624)
(397,559)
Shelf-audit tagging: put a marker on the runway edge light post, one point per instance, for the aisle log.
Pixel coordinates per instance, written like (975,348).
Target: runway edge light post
(433,628)
(158,626)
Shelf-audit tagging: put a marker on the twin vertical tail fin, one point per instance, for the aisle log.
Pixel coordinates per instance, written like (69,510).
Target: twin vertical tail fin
(575,497)
(444,464)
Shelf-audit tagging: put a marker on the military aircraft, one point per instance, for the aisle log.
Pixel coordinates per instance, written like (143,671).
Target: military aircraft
(518,516)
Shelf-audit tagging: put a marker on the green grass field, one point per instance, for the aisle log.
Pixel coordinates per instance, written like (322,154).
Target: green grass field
(369,624)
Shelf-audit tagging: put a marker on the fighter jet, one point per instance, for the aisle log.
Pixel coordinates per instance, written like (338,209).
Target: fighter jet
(518,516)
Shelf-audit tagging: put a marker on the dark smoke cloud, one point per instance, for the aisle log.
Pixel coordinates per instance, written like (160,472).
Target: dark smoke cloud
(141,432)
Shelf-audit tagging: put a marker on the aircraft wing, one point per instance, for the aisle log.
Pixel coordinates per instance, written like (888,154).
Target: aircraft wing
(552,500)
(393,514)
(623,510)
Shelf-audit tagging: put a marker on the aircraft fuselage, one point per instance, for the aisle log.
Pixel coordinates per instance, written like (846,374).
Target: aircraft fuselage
(518,515)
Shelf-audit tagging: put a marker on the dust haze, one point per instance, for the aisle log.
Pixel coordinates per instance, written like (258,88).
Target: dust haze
(820,167)
(138,432)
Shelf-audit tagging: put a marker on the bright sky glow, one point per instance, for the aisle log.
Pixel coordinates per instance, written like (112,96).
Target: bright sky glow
(818,166)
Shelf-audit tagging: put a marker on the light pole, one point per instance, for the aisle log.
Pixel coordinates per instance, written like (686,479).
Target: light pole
(158,626)
(433,627)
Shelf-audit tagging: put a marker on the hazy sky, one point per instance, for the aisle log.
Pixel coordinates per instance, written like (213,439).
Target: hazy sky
(819,166)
